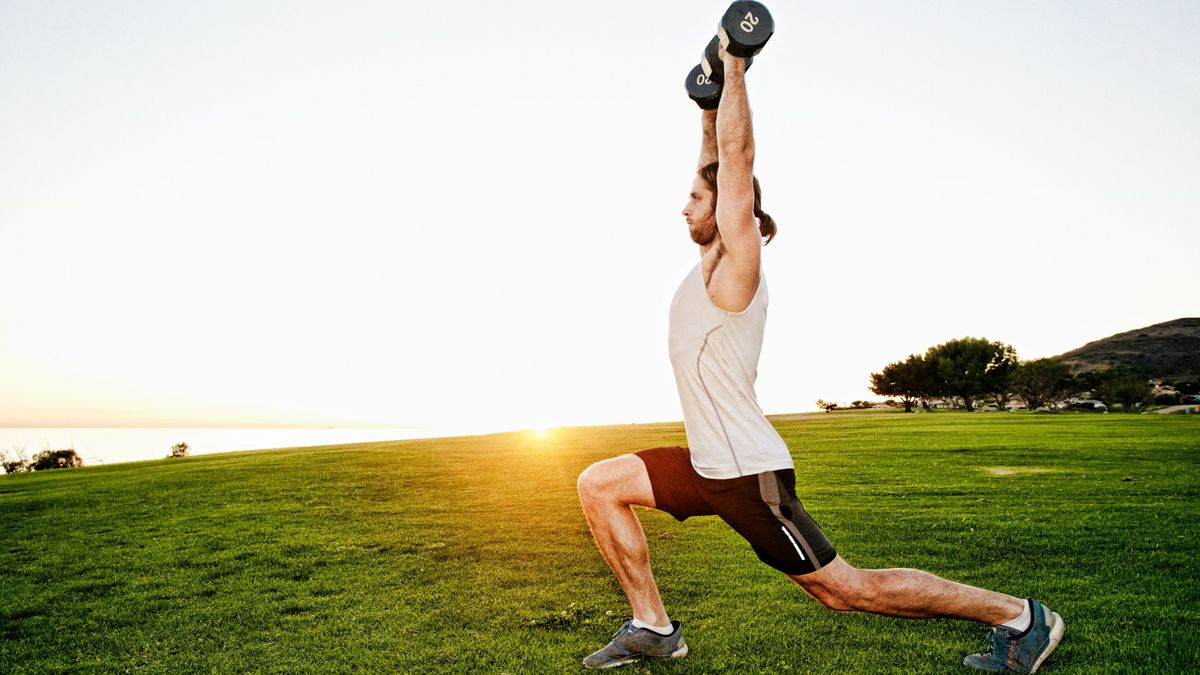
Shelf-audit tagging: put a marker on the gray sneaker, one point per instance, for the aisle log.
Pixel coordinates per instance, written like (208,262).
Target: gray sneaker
(1011,651)
(631,643)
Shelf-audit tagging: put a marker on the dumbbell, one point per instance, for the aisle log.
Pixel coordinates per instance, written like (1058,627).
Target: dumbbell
(705,81)
(745,28)
(744,31)
(702,90)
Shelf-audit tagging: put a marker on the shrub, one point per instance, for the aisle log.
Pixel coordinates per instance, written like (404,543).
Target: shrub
(56,459)
(15,464)
(178,450)
(1167,398)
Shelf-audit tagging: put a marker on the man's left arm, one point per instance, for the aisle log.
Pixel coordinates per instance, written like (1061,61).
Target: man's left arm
(735,192)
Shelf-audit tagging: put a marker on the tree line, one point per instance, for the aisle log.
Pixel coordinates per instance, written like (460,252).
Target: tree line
(60,459)
(976,369)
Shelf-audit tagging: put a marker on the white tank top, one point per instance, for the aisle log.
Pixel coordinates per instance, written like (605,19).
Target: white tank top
(715,357)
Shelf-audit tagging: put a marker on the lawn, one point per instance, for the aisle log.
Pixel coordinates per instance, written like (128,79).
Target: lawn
(471,554)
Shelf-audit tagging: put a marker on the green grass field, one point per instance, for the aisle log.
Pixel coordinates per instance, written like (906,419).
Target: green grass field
(472,555)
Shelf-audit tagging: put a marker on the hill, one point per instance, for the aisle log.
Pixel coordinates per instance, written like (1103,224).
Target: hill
(1168,351)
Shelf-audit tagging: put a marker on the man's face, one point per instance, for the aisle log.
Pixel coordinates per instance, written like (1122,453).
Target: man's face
(700,213)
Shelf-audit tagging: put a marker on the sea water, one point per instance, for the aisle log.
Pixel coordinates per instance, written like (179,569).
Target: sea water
(111,445)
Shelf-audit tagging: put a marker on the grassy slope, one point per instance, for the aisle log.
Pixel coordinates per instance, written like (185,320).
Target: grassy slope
(472,555)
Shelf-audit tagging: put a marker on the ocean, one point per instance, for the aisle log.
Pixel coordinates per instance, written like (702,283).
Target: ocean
(112,445)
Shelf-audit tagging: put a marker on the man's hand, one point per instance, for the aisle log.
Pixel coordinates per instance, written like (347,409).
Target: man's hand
(729,60)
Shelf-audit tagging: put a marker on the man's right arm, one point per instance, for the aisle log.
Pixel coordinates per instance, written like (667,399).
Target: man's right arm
(708,138)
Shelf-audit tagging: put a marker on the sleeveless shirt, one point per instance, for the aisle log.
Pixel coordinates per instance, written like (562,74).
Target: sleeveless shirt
(714,354)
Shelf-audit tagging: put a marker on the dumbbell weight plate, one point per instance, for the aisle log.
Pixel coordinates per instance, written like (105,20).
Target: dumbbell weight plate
(745,28)
(712,65)
(702,90)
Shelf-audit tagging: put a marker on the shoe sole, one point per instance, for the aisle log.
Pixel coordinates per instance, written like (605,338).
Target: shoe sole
(1056,633)
(677,654)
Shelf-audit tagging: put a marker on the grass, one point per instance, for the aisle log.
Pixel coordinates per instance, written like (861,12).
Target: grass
(471,554)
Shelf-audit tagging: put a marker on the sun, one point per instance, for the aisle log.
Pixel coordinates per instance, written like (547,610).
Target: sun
(541,433)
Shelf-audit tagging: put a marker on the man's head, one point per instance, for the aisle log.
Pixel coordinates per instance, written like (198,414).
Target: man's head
(701,209)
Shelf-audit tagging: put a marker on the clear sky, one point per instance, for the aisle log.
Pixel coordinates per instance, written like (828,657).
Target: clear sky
(398,213)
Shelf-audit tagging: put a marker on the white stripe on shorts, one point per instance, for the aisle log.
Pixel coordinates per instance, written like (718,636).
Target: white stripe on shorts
(794,545)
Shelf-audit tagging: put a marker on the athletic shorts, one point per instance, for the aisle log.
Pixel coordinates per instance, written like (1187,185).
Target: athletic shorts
(762,507)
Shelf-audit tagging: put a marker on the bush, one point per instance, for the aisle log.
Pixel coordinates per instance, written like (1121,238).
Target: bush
(178,450)
(14,465)
(56,459)
(1168,398)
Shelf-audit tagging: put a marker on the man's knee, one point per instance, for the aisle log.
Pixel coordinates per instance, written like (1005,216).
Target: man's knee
(618,480)
(842,589)
(600,480)
(591,482)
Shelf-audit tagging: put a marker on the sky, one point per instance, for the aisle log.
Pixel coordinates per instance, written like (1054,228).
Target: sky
(405,214)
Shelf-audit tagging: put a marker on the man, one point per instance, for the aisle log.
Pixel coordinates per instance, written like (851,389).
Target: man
(738,467)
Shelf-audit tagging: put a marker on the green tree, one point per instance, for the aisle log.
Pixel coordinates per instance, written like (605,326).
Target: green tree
(909,380)
(1041,382)
(999,374)
(1187,388)
(1087,384)
(970,367)
(1126,387)
(56,459)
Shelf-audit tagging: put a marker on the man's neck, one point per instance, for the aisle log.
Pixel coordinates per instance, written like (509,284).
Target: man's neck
(710,246)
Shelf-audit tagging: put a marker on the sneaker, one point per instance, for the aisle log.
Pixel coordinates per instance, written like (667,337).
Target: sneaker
(631,643)
(1012,651)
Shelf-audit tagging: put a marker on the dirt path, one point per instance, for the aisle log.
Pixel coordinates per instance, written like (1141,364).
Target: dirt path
(1170,410)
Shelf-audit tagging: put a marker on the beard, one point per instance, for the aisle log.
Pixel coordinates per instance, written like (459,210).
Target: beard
(704,233)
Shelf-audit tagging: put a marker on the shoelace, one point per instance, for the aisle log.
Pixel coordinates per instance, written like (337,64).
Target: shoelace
(627,624)
(1002,643)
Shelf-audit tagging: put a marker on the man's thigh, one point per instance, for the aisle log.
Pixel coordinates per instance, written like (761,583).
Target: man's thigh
(674,482)
(764,510)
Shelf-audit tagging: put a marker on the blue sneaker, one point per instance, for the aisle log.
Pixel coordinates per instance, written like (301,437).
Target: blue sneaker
(631,643)
(1011,651)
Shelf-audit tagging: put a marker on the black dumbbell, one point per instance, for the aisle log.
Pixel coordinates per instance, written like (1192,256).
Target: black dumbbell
(744,31)
(711,62)
(745,28)
(702,90)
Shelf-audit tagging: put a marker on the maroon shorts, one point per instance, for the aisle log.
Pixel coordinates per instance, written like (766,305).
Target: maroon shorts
(761,507)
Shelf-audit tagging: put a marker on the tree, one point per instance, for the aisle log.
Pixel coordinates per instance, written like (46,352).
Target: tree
(178,450)
(1167,398)
(970,367)
(999,373)
(1087,384)
(1041,382)
(1127,387)
(56,459)
(15,464)
(910,379)
(826,405)
(1187,388)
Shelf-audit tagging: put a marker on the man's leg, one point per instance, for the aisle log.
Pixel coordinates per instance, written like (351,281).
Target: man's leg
(919,595)
(906,593)
(608,490)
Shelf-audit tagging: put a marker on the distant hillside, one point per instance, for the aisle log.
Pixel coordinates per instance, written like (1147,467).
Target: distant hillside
(1169,351)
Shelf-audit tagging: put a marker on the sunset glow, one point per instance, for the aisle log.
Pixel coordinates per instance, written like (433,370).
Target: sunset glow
(253,214)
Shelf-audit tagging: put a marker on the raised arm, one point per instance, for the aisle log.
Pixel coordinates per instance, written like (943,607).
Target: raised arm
(708,138)
(738,280)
